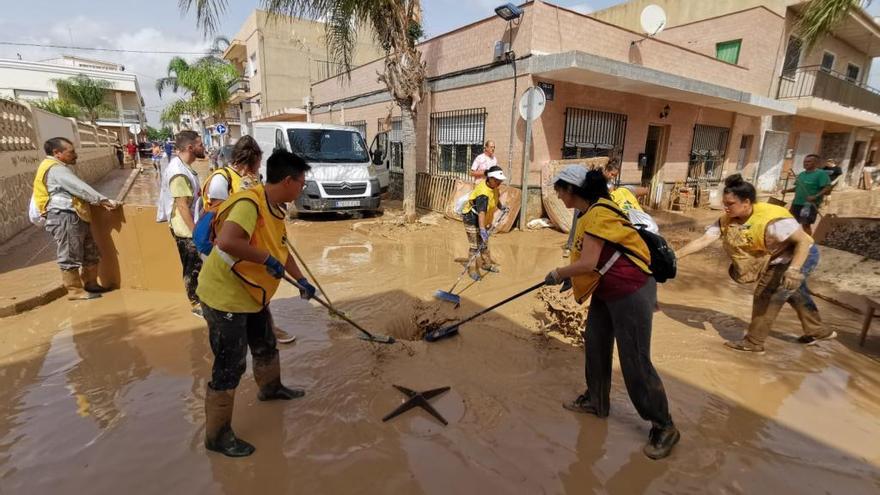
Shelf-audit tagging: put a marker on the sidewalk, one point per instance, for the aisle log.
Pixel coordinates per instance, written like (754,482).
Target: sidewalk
(29,276)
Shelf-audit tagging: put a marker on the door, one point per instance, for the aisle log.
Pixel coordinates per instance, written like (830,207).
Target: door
(745,148)
(806,145)
(653,159)
(772,158)
(381,159)
(858,154)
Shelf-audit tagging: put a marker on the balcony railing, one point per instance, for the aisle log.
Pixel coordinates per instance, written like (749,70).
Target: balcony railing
(814,81)
(240,84)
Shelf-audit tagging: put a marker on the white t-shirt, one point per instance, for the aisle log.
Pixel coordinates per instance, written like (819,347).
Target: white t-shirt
(218,188)
(776,233)
(482,163)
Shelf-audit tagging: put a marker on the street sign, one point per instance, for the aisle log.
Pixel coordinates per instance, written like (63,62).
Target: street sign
(135,129)
(221,129)
(549,90)
(538,103)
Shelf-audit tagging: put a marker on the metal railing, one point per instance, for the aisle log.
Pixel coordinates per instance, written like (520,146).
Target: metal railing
(242,84)
(456,138)
(829,85)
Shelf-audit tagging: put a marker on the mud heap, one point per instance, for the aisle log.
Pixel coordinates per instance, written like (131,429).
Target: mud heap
(561,314)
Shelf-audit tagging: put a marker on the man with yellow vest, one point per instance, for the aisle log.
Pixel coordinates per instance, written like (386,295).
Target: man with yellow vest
(243,172)
(63,200)
(477,216)
(236,283)
(766,244)
(610,262)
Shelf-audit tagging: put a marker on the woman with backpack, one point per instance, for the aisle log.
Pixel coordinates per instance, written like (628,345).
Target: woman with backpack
(611,263)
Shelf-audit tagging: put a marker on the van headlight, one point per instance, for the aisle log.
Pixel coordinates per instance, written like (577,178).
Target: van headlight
(312,189)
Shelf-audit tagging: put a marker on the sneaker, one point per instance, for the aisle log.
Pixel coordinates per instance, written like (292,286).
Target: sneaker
(197,311)
(282,336)
(810,340)
(661,441)
(581,405)
(746,346)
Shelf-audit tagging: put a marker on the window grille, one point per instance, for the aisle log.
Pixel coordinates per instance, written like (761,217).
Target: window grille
(707,153)
(457,138)
(360,125)
(591,133)
(395,142)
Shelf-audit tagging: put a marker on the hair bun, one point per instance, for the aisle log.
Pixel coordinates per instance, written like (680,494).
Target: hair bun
(733,180)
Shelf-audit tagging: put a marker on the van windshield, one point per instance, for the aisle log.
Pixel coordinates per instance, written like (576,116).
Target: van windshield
(328,145)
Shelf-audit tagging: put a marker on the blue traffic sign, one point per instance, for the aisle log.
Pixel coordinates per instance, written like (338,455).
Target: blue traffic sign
(221,129)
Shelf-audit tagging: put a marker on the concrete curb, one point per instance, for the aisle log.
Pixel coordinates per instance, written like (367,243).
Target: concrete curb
(48,295)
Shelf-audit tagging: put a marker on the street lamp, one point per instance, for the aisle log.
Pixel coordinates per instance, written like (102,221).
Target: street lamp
(508,12)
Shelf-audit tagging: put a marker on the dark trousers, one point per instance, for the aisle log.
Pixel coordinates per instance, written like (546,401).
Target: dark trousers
(231,334)
(627,320)
(192,265)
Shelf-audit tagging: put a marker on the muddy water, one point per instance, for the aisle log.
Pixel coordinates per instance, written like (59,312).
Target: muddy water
(106,396)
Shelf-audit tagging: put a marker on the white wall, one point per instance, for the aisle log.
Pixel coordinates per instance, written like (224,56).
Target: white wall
(50,125)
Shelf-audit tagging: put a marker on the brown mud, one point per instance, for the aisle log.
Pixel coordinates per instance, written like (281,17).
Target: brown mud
(106,396)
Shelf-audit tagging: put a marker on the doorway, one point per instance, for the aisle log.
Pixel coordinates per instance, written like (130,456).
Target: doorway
(858,154)
(651,161)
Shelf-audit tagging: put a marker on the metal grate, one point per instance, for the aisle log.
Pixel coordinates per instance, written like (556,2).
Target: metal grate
(360,125)
(344,189)
(591,133)
(456,139)
(707,153)
(395,142)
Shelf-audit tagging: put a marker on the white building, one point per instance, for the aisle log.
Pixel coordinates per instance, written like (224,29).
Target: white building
(27,80)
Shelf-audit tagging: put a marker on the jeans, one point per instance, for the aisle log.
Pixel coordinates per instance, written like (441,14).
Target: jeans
(73,236)
(231,334)
(628,321)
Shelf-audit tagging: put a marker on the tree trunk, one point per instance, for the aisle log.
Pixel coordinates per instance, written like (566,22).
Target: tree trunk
(408,127)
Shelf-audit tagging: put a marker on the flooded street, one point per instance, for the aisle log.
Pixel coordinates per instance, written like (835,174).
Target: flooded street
(106,396)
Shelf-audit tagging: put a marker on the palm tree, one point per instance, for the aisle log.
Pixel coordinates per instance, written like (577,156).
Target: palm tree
(58,106)
(206,84)
(87,94)
(395,26)
(820,17)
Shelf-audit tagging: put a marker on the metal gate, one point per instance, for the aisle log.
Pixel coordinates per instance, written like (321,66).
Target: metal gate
(591,133)
(708,151)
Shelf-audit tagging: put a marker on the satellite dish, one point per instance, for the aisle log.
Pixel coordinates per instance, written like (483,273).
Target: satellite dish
(653,19)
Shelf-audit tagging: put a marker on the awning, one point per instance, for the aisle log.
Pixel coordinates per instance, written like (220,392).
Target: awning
(822,109)
(591,70)
(283,115)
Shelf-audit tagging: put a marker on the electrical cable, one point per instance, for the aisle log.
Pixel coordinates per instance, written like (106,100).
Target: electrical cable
(95,49)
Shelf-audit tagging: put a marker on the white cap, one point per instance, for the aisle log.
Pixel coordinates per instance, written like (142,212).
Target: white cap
(573,174)
(497,174)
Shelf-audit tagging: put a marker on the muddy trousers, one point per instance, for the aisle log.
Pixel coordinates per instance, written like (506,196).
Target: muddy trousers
(476,245)
(770,296)
(73,237)
(231,334)
(192,265)
(627,320)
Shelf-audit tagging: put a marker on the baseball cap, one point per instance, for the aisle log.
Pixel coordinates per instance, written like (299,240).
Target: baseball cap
(573,174)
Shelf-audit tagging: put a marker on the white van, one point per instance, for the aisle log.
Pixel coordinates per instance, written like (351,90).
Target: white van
(342,178)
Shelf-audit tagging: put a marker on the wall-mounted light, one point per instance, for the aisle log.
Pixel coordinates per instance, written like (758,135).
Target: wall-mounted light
(665,112)
(508,12)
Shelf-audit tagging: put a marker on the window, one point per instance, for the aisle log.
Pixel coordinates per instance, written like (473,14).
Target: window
(360,125)
(828,61)
(456,139)
(792,57)
(852,72)
(279,140)
(707,153)
(26,94)
(728,51)
(590,133)
(251,68)
(395,142)
(328,145)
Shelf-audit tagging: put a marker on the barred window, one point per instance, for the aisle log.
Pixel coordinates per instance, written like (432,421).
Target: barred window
(395,142)
(360,125)
(457,138)
(590,133)
(708,151)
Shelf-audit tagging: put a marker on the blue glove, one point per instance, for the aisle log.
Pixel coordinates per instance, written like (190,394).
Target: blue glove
(274,267)
(308,290)
(484,235)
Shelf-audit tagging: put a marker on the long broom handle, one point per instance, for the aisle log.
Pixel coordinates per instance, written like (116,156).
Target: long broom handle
(304,265)
(496,305)
(331,308)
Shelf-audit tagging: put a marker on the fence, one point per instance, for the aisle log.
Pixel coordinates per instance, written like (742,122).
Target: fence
(17,131)
(828,85)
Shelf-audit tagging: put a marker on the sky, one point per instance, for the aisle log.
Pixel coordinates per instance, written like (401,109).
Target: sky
(159,25)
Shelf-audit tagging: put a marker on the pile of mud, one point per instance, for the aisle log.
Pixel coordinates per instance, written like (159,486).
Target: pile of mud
(393,224)
(412,323)
(561,315)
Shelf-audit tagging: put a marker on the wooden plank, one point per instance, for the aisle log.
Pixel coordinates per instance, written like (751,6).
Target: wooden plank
(556,210)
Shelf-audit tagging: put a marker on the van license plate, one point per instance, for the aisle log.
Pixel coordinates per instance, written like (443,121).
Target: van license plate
(347,204)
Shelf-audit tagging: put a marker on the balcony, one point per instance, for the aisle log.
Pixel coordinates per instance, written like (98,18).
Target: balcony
(830,95)
(112,118)
(239,89)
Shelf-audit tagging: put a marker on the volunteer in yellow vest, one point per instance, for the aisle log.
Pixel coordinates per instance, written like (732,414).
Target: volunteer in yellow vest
(63,199)
(477,216)
(766,244)
(236,283)
(242,173)
(610,262)
(181,201)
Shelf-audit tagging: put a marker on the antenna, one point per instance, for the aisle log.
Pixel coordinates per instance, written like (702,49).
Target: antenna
(653,20)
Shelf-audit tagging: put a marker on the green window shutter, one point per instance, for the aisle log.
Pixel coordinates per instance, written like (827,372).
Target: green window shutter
(728,51)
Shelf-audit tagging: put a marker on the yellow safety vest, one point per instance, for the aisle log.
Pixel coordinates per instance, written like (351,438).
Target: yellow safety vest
(611,227)
(625,199)
(41,191)
(745,243)
(233,179)
(269,234)
(483,189)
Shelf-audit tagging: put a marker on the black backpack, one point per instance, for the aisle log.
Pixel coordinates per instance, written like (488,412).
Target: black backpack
(663,262)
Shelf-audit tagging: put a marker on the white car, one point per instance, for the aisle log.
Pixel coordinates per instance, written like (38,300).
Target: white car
(342,178)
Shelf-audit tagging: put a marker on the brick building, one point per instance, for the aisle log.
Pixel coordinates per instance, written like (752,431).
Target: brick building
(725,87)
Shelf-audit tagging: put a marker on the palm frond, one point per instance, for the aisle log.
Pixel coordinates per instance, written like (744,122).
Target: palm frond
(821,17)
(208,12)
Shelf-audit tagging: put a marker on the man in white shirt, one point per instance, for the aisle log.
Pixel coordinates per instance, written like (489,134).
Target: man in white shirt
(484,161)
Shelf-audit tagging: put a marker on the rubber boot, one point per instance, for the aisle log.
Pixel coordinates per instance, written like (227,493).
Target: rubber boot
(219,436)
(267,374)
(73,283)
(488,263)
(472,268)
(90,280)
